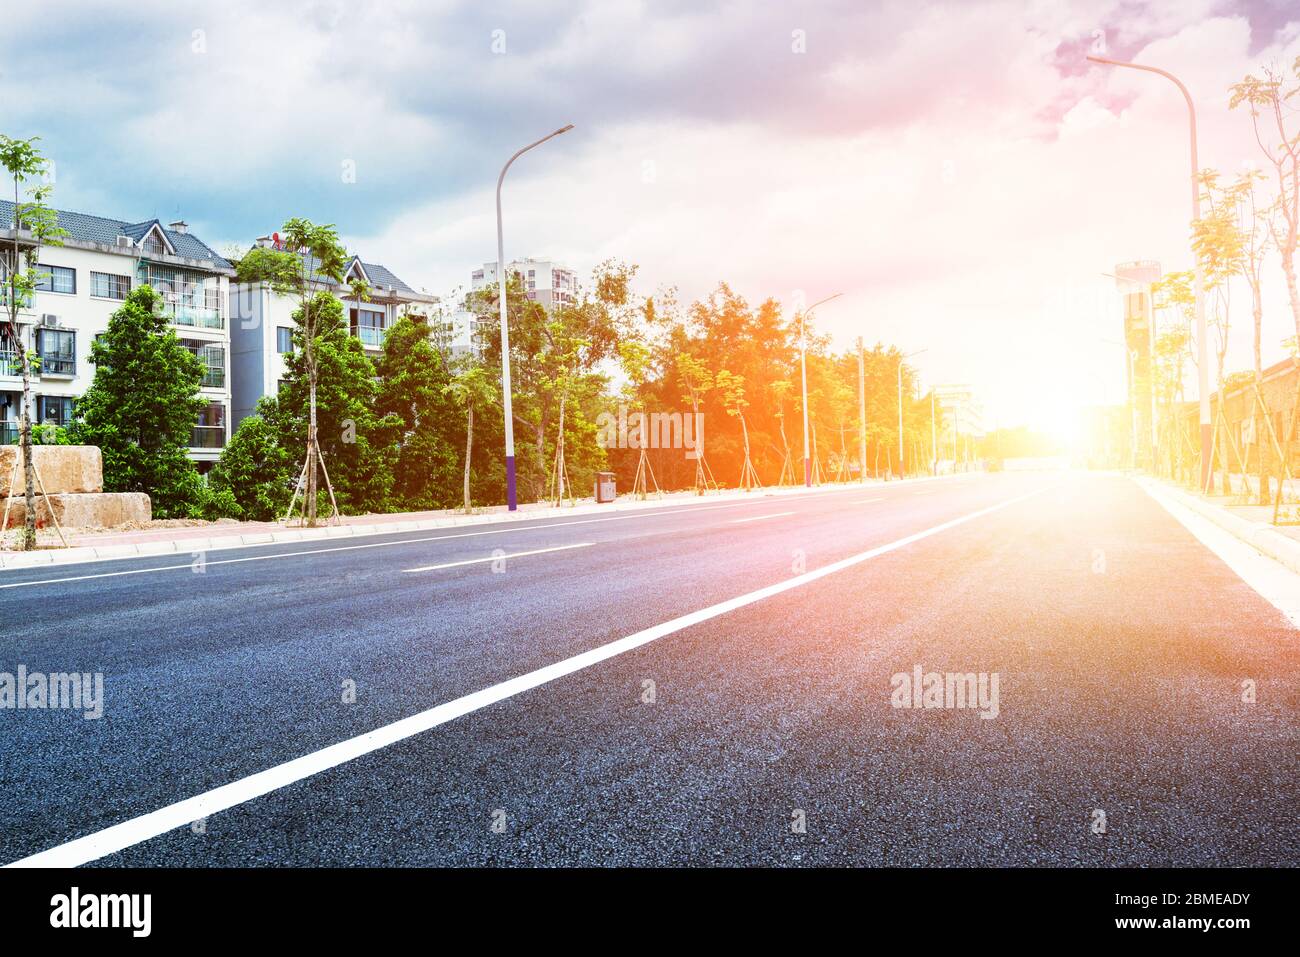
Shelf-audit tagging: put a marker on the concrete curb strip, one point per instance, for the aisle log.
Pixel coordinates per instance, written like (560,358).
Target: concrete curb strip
(1261,536)
(187,546)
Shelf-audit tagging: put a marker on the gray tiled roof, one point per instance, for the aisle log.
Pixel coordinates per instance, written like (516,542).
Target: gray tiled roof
(379,275)
(101,229)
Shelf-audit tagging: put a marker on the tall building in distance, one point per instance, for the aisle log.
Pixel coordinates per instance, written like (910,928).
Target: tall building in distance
(100,260)
(545,281)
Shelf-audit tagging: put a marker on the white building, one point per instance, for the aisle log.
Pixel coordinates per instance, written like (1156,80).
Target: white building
(99,262)
(457,333)
(262,325)
(544,281)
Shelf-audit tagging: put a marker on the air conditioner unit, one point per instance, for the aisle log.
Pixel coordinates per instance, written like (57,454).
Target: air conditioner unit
(126,242)
(50,321)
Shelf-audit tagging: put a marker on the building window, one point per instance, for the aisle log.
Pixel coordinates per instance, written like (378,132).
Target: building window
(210,430)
(57,279)
(213,357)
(109,285)
(153,245)
(58,351)
(54,409)
(284,339)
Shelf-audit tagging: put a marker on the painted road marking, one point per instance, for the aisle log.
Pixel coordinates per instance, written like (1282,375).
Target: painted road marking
(495,558)
(639,513)
(864,501)
(759,518)
(347,548)
(112,839)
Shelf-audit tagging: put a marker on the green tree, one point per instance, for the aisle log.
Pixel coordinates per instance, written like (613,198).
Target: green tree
(255,474)
(471,389)
(413,382)
(23,161)
(328,401)
(141,408)
(321,261)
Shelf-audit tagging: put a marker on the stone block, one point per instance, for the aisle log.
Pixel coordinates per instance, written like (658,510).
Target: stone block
(63,468)
(84,510)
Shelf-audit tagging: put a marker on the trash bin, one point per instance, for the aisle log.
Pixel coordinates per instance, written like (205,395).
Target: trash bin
(605,489)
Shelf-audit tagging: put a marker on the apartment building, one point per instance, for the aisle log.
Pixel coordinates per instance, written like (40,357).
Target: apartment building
(546,282)
(100,260)
(262,325)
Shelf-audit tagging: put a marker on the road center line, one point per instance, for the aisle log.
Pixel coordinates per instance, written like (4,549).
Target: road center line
(112,839)
(495,558)
(757,518)
(864,501)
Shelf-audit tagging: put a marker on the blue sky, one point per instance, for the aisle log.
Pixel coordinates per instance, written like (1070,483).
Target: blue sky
(955,169)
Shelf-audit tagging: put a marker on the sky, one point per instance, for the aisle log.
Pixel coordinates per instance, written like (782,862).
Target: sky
(956,170)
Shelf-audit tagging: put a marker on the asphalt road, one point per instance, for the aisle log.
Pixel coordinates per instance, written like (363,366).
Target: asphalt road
(1119,641)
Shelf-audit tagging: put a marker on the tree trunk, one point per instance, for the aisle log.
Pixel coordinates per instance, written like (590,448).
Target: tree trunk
(313,447)
(539,454)
(559,454)
(469,448)
(29,467)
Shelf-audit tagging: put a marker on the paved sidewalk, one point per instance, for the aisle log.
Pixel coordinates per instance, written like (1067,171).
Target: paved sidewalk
(91,546)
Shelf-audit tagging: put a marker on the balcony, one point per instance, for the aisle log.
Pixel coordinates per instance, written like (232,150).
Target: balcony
(370,336)
(197,317)
(11,364)
(214,377)
(8,433)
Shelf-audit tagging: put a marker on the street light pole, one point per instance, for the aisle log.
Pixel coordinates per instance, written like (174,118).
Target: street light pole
(901,359)
(1202,338)
(934,442)
(803,372)
(862,414)
(511,498)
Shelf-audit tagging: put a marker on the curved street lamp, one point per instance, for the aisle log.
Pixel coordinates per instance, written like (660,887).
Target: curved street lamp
(1202,338)
(511,500)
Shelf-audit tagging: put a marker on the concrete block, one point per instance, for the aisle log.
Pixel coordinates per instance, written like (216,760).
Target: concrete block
(63,468)
(84,510)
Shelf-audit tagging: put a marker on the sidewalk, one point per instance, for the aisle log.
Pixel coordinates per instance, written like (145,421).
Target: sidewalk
(101,545)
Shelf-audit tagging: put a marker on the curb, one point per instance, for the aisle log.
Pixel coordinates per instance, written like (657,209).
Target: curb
(1261,536)
(84,554)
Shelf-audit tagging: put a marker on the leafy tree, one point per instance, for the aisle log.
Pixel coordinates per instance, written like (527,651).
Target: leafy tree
(23,161)
(471,389)
(414,377)
(141,407)
(330,393)
(255,474)
(321,259)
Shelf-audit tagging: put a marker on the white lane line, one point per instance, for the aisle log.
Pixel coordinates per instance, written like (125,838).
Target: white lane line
(347,548)
(864,501)
(92,847)
(758,518)
(494,558)
(1274,582)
